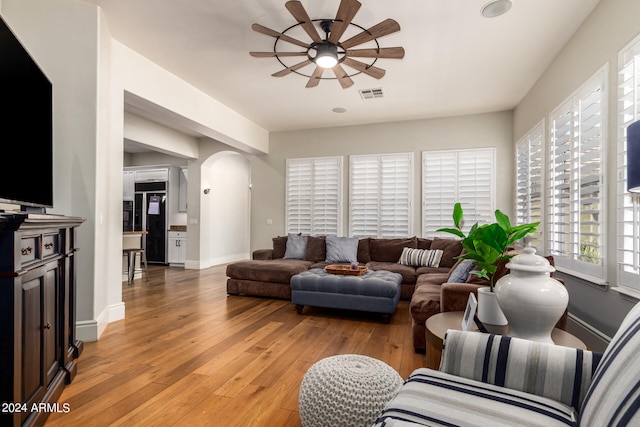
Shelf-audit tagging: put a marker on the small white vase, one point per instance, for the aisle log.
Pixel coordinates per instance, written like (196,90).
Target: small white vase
(489,311)
(531,300)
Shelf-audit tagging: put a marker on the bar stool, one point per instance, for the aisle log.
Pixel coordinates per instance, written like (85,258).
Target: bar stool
(132,253)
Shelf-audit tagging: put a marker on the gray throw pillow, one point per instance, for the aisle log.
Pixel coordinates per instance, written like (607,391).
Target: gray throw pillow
(342,249)
(296,246)
(461,272)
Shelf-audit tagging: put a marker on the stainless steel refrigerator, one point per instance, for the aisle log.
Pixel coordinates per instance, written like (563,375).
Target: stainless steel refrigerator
(150,215)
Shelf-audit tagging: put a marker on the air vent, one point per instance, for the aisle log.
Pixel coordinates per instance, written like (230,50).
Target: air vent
(371,93)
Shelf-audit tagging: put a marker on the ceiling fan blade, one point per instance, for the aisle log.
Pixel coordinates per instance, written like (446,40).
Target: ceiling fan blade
(298,12)
(370,70)
(291,69)
(273,54)
(269,32)
(381,29)
(314,80)
(346,12)
(343,78)
(383,52)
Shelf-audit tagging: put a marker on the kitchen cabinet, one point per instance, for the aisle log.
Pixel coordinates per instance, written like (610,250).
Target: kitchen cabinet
(128,185)
(37,311)
(177,247)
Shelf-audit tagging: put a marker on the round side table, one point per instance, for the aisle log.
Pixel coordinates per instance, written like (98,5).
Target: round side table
(438,324)
(346,390)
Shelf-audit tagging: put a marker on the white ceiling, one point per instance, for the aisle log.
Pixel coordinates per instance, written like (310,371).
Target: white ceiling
(457,62)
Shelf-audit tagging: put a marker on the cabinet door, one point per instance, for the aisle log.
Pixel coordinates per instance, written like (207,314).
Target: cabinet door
(40,335)
(128,182)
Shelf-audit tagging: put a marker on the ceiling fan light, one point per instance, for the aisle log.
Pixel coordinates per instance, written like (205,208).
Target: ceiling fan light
(327,55)
(496,8)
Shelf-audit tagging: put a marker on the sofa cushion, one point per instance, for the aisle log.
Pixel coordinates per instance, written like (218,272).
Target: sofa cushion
(389,250)
(420,257)
(316,249)
(423,243)
(279,246)
(273,270)
(451,248)
(342,249)
(364,254)
(408,273)
(425,301)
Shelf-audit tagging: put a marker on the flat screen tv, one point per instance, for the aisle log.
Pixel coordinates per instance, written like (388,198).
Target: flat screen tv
(26,127)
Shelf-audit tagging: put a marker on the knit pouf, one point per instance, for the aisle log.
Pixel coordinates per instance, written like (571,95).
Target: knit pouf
(346,390)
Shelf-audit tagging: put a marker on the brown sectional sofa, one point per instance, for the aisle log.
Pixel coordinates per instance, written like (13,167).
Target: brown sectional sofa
(268,273)
(427,288)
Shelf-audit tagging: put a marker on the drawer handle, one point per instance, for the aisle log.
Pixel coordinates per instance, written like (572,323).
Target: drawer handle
(47,326)
(26,251)
(48,245)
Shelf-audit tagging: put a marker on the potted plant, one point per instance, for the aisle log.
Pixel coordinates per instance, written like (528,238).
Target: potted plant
(487,245)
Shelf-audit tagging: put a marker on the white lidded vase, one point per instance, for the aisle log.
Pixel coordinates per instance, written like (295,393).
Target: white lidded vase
(531,300)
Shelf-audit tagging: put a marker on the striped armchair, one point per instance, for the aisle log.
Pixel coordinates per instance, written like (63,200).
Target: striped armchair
(491,380)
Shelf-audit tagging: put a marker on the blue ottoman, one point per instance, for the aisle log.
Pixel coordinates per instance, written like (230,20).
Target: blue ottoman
(375,291)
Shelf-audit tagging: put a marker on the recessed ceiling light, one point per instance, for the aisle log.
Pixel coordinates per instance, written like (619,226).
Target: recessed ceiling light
(496,8)
(339,110)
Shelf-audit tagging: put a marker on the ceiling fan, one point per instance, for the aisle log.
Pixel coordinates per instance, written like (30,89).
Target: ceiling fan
(330,52)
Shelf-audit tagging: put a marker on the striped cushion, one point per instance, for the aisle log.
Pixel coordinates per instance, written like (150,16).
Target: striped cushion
(435,398)
(560,373)
(614,396)
(420,257)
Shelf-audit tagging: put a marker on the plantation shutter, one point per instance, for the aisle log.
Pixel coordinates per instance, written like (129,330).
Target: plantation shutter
(628,252)
(380,195)
(575,200)
(529,183)
(465,176)
(314,194)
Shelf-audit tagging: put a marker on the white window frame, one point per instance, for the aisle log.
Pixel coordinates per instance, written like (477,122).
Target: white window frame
(530,167)
(314,207)
(628,204)
(448,176)
(567,240)
(381,195)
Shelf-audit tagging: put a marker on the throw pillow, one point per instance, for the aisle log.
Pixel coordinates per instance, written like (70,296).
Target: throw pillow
(342,249)
(315,251)
(461,272)
(420,257)
(296,246)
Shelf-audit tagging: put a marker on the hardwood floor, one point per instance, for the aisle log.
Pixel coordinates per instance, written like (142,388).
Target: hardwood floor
(187,354)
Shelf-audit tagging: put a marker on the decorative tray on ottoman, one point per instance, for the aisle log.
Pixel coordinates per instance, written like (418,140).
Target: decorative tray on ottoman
(345,269)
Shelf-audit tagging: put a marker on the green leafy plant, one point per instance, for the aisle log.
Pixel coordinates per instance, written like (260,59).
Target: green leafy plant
(486,245)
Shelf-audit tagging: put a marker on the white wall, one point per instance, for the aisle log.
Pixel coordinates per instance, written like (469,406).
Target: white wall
(161,138)
(225,210)
(612,24)
(474,131)
(90,73)
(63,37)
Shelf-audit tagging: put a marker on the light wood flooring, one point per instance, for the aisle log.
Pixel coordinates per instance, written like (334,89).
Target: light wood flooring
(189,355)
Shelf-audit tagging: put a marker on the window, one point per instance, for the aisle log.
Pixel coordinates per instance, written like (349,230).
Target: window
(314,195)
(628,208)
(530,183)
(575,224)
(381,189)
(465,176)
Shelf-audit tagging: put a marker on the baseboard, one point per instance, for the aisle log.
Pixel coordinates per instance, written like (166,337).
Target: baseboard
(90,330)
(593,338)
